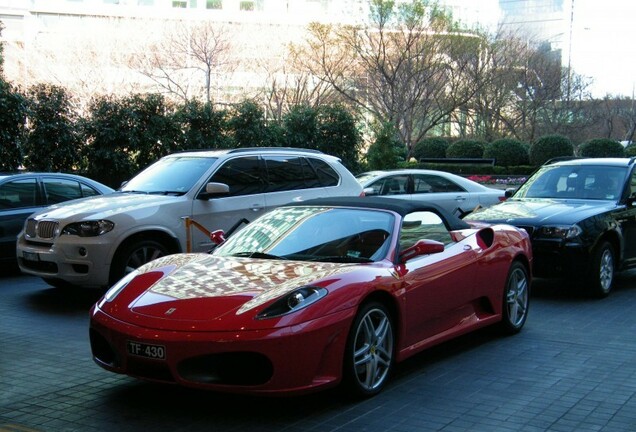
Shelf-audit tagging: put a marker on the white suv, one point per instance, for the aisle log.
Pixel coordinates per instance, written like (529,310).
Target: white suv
(93,242)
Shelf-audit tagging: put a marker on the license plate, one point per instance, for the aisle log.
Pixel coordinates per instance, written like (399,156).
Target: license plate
(157,352)
(30,256)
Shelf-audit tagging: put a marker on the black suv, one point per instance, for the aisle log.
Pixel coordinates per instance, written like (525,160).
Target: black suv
(581,217)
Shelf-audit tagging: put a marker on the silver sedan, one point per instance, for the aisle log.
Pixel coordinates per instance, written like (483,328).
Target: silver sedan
(456,194)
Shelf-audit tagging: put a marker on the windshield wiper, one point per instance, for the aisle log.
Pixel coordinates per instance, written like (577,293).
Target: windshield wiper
(134,192)
(177,193)
(339,259)
(258,255)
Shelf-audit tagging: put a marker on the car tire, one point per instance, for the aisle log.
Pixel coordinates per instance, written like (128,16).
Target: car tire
(601,276)
(134,255)
(369,354)
(516,299)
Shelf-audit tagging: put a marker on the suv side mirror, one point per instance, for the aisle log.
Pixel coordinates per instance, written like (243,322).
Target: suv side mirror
(510,192)
(213,189)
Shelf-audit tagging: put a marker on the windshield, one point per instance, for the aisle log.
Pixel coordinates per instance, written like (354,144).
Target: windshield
(174,175)
(364,178)
(575,182)
(314,234)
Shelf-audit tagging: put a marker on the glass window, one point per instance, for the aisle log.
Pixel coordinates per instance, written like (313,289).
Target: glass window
(327,175)
(393,185)
(179,4)
(289,173)
(247,6)
(88,191)
(214,4)
(59,190)
(423,225)
(426,183)
(175,175)
(18,193)
(243,175)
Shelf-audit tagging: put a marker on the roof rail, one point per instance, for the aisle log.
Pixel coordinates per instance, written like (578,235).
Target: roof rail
(561,159)
(266,149)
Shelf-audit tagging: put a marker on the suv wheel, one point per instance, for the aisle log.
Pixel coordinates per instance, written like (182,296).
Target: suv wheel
(601,276)
(133,255)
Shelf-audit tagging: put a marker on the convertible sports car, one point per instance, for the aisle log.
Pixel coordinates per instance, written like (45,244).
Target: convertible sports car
(311,295)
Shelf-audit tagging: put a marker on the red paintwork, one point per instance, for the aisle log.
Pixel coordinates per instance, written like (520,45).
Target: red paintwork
(197,304)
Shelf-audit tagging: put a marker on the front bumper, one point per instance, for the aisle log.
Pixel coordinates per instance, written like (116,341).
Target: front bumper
(289,360)
(556,259)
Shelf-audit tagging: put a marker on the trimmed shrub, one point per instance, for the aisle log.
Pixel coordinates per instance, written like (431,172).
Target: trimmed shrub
(386,152)
(601,147)
(507,152)
(430,148)
(466,148)
(548,147)
(630,150)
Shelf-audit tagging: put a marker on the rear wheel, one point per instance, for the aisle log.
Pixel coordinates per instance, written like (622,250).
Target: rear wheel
(601,276)
(516,299)
(369,352)
(134,255)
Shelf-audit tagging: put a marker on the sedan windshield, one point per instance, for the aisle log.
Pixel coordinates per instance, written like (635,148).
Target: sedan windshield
(314,234)
(173,175)
(575,182)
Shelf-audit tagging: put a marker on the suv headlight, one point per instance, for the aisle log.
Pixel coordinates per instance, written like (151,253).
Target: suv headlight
(293,301)
(88,228)
(560,231)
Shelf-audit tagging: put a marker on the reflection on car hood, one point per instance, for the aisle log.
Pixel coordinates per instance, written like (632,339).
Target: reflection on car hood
(103,207)
(201,289)
(541,211)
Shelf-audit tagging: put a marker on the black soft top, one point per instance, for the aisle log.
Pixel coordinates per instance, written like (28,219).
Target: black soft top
(402,207)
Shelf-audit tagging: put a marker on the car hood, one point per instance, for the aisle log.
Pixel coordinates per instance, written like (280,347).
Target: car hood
(204,292)
(103,207)
(537,212)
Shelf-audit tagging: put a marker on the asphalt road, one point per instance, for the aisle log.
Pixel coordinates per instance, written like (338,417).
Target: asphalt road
(572,368)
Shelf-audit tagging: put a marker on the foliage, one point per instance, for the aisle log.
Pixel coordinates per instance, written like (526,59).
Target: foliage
(430,148)
(601,147)
(548,147)
(247,126)
(201,126)
(507,152)
(301,127)
(387,150)
(338,135)
(466,148)
(12,124)
(52,142)
(630,150)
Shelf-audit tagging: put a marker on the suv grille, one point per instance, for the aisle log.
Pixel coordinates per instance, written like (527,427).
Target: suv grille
(42,229)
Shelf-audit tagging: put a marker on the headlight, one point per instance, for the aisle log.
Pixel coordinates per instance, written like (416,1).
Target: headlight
(115,289)
(88,228)
(293,301)
(560,232)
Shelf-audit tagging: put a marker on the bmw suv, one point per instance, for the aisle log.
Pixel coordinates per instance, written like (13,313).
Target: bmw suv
(581,217)
(171,206)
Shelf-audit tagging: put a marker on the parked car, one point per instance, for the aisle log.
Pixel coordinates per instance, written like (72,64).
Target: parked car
(22,194)
(312,294)
(456,194)
(581,218)
(96,241)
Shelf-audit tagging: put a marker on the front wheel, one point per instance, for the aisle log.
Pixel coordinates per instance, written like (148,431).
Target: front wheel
(369,352)
(516,299)
(601,276)
(135,255)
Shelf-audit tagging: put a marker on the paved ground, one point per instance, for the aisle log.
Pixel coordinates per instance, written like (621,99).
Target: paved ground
(573,368)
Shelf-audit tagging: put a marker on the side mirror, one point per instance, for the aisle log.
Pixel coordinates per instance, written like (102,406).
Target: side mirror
(510,192)
(369,191)
(421,247)
(217,237)
(214,189)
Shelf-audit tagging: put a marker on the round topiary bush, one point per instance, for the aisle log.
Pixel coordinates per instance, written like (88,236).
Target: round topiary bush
(507,152)
(630,150)
(601,147)
(430,148)
(466,148)
(548,147)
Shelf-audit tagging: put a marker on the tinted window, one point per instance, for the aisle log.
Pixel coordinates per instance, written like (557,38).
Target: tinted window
(327,175)
(243,175)
(394,185)
(18,193)
(87,190)
(59,190)
(425,183)
(289,173)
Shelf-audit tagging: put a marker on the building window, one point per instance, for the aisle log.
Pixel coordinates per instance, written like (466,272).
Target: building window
(247,5)
(214,4)
(179,4)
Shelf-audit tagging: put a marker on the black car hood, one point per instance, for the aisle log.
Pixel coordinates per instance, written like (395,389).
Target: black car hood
(541,211)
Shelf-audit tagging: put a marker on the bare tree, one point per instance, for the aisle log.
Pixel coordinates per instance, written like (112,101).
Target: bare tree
(409,65)
(184,62)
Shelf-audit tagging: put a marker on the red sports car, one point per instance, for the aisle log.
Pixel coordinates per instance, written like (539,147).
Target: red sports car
(311,295)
